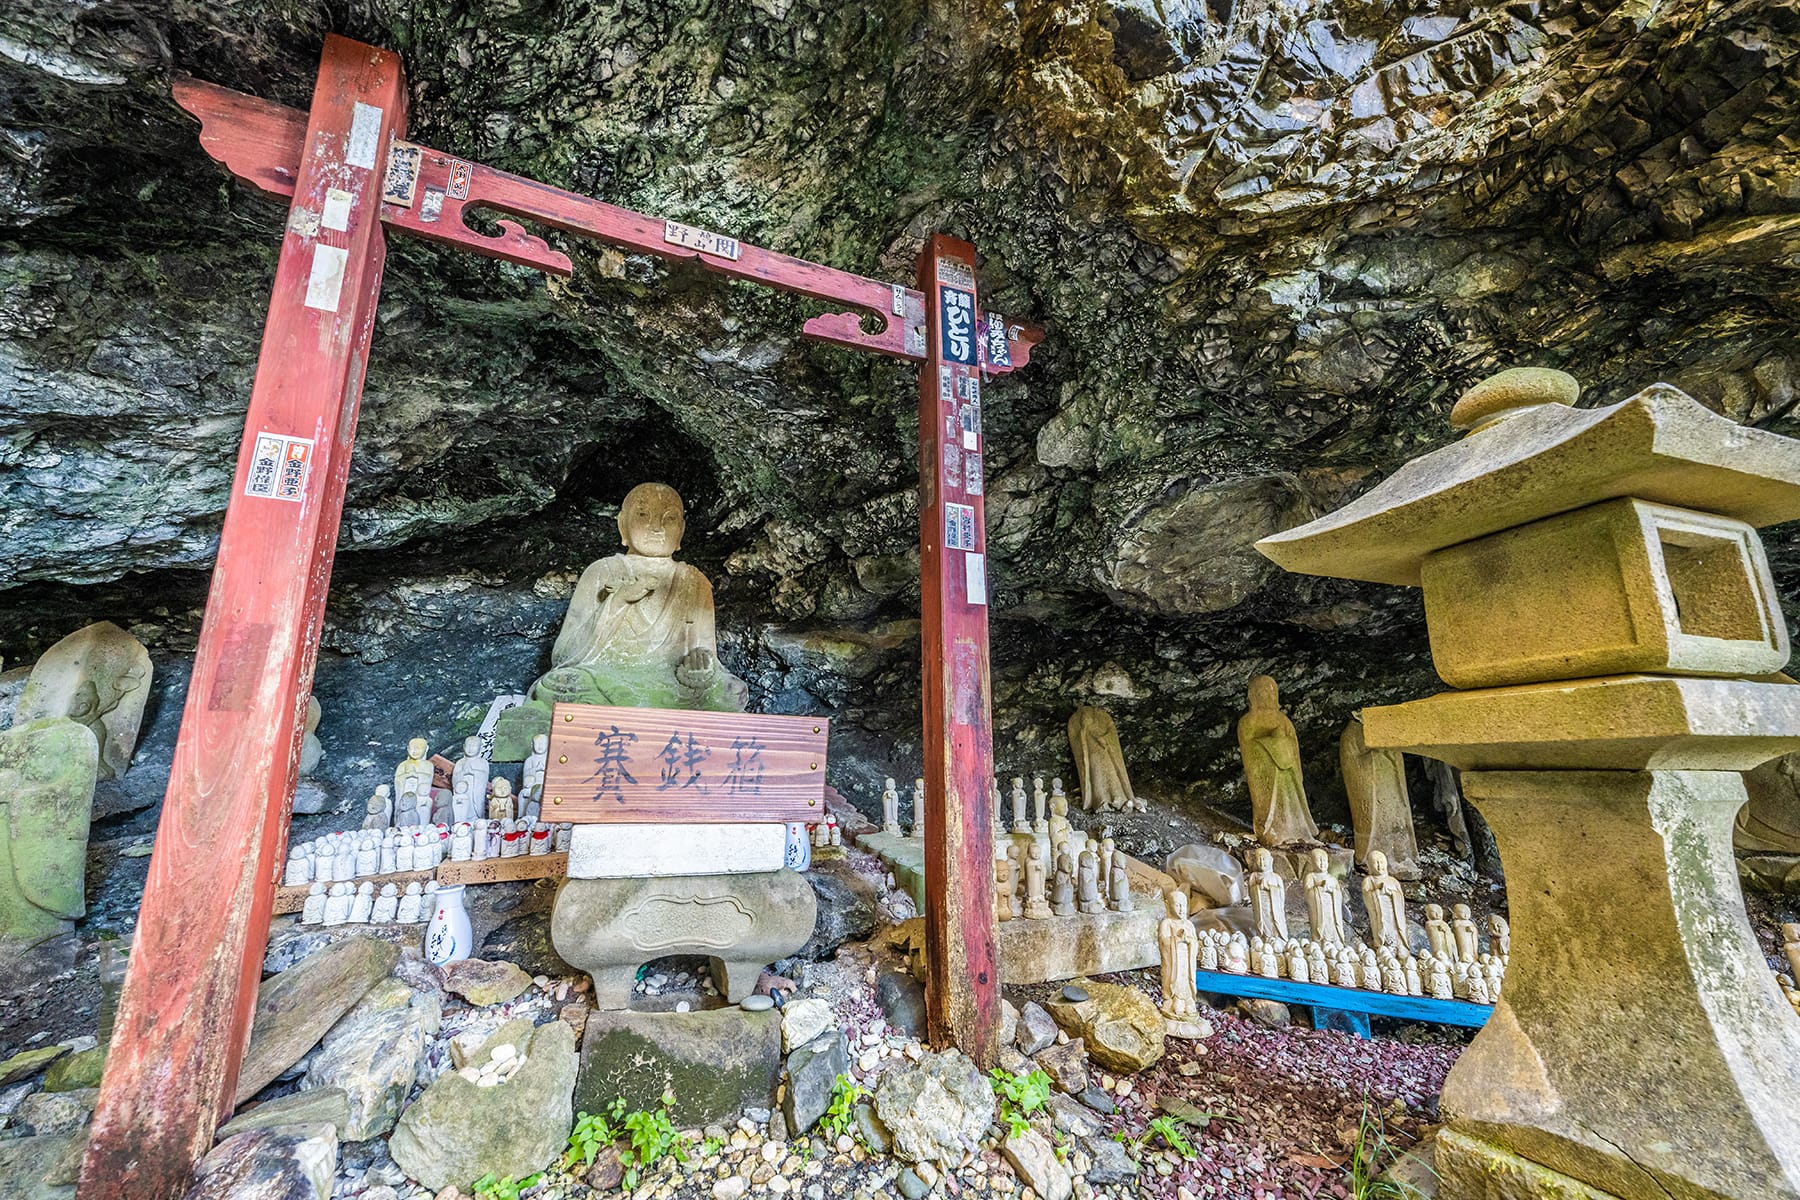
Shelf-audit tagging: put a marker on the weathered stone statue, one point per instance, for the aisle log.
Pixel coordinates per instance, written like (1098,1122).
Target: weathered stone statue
(1500,934)
(918,808)
(409,910)
(1296,963)
(1058,825)
(1003,884)
(1037,903)
(1235,959)
(1468,938)
(531,780)
(414,774)
(1437,932)
(1040,822)
(1209,946)
(1063,898)
(47,772)
(1118,889)
(378,812)
(1380,813)
(98,676)
(1178,946)
(1447,799)
(1271,753)
(387,904)
(1438,983)
(1325,901)
(1385,904)
(1100,762)
(1088,874)
(1268,897)
(639,631)
(310,749)
(1316,967)
(499,800)
(471,770)
(313,911)
(1769,822)
(890,809)
(1021,823)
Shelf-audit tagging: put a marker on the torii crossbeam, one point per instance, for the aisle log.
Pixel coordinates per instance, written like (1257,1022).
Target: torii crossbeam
(189,997)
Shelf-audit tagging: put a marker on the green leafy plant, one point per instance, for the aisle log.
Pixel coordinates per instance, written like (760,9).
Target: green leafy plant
(1020,1097)
(1169,1130)
(845,1092)
(652,1137)
(1371,1154)
(489,1188)
(711,1146)
(592,1134)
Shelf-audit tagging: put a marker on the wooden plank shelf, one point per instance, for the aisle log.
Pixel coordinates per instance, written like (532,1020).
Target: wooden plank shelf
(1344,1008)
(484,870)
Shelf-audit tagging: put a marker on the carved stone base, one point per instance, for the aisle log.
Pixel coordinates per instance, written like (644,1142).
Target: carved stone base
(741,923)
(1641,1046)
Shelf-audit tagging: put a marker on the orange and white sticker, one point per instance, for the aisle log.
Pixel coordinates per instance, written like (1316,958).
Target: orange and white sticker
(279,467)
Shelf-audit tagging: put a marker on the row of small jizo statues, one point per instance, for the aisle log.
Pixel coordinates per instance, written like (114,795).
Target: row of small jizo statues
(415,800)
(354,854)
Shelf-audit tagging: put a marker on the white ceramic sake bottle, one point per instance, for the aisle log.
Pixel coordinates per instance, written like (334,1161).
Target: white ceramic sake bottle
(448,936)
(799,846)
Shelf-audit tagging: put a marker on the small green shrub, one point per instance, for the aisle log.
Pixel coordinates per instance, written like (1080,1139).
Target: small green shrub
(845,1092)
(1020,1096)
(489,1188)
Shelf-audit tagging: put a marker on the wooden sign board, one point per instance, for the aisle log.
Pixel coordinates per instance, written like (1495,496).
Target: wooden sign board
(635,765)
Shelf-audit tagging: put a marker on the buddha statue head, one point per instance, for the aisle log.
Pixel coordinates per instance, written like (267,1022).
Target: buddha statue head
(651,521)
(1265,696)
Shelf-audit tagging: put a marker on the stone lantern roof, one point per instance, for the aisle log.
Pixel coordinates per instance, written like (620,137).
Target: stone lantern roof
(1538,458)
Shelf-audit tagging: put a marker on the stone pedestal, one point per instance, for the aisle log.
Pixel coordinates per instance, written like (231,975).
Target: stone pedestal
(1641,1048)
(741,923)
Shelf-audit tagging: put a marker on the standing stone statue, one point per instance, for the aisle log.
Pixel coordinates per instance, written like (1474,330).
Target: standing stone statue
(1437,931)
(1380,813)
(1118,887)
(1040,823)
(1037,903)
(890,808)
(1268,897)
(310,749)
(414,774)
(47,772)
(1063,898)
(1100,762)
(1003,884)
(471,770)
(918,808)
(1021,823)
(1500,934)
(531,781)
(1468,938)
(1325,901)
(1058,826)
(1446,798)
(98,676)
(1088,873)
(1179,947)
(1384,903)
(1271,753)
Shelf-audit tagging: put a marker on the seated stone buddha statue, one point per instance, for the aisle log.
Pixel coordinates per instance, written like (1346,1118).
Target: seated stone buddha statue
(639,631)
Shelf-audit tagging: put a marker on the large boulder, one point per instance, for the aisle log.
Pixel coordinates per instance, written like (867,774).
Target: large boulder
(268,1164)
(715,1063)
(41,1168)
(936,1110)
(296,1008)
(848,908)
(373,1056)
(1121,1026)
(47,776)
(100,677)
(458,1131)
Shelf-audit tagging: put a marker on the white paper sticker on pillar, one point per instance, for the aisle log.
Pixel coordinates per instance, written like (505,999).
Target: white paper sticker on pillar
(336,214)
(365,131)
(972,465)
(975,568)
(946,381)
(959,527)
(326,282)
(279,467)
(899,299)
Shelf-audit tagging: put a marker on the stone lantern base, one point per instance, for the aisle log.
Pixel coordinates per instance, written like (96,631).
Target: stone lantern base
(1641,1048)
(740,922)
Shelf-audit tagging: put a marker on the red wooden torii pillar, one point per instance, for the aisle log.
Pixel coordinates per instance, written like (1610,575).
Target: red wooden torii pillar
(185,1014)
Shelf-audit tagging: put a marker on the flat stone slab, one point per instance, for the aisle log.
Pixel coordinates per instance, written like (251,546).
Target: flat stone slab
(297,1007)
(714,1063)
(1085,944)
(633,851)
(311,1107)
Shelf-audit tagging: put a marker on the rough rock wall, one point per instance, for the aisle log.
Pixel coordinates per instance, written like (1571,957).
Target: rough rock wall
(1270,243)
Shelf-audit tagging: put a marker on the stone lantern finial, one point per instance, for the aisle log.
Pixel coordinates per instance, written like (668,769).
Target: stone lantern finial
(1511,392)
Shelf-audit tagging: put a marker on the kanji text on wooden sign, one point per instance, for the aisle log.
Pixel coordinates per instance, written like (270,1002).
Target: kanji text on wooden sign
(663,764)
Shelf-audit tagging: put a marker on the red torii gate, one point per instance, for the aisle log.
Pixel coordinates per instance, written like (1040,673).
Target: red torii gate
(189,997)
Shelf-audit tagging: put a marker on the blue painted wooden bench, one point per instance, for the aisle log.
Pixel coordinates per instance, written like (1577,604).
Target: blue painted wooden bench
(1346,1009)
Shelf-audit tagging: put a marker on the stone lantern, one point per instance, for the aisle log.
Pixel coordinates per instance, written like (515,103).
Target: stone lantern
(1595,588)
